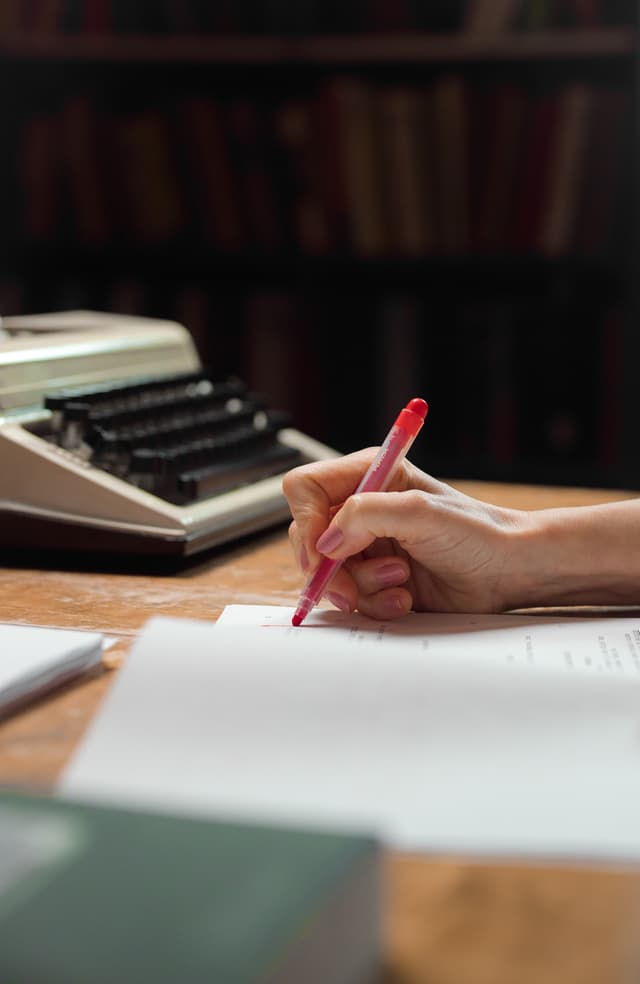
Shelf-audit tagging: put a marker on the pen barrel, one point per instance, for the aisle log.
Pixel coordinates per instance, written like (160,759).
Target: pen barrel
(319,581)
(377,479)
(395,447)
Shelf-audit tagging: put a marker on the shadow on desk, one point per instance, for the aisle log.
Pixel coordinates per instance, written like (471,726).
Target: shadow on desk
(98,562)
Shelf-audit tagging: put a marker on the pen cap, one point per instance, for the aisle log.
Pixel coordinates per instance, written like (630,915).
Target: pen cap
(396,444)
(411,419)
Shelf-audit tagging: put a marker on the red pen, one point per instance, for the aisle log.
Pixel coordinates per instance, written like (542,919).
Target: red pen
(377,479)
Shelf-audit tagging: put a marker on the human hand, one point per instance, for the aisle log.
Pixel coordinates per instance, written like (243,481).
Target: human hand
(421,544)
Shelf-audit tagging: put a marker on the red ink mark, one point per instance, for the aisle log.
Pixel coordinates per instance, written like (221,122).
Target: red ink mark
(287,625)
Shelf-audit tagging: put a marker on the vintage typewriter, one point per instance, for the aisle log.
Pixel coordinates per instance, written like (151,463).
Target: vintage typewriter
(114,438)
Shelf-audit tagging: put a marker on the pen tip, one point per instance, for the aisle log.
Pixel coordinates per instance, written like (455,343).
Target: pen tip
(297,619)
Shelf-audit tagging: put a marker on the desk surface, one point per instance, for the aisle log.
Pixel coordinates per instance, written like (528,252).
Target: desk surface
(448,920)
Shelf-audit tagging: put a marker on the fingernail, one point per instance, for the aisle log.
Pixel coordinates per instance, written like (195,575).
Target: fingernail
(304,559)
(339,601)
(330,540)
(390,574)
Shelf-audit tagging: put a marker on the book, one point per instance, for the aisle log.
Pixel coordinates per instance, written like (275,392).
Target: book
(393,16)
(533,171)
(565,170)
(535,15)
(489,16)
(47,17)
(501,735)
(406,171)
(299,165)
(599,195)
(11,12)
(251,150)
(359,145)
(97,17)
(148,177)
(83,173)
(40,173)
(327,125)
(496,154)
(447,112)
(208,174)
(587,13)
(97,894)
(34,660)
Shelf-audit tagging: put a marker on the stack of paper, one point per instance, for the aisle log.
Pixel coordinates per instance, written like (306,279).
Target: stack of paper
(33,660)
(500,735)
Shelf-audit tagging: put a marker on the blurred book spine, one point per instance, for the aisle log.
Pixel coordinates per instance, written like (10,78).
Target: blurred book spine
(352,167)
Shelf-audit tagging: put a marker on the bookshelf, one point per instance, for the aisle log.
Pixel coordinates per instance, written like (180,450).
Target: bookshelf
(327,50)
(346,213)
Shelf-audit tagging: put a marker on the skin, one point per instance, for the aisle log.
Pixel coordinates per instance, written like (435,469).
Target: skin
(425,546)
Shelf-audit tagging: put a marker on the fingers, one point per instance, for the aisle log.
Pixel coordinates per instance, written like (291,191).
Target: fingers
(314,492)
(331,480)
(386,605)
(328,519)
(326,484)
(380,583)
(363,587)
(374,574)
(364,518)
(373,586)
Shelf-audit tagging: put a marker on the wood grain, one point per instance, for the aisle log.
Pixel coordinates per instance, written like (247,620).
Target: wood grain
(446,920)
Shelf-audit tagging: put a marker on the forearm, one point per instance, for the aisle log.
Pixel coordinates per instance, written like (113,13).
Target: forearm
(589,555)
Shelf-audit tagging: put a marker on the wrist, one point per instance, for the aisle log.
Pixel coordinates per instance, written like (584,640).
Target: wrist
(586,555)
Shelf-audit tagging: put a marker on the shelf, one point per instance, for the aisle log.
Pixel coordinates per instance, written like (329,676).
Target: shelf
(429,273)
(469,47)
(324,50)
(479,315)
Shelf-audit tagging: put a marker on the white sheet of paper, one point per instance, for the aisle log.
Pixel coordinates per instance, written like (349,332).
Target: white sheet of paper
(600,647)
(433,733)
(33,659)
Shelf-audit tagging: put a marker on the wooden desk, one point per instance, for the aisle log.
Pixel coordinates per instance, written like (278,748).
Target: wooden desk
(448,920)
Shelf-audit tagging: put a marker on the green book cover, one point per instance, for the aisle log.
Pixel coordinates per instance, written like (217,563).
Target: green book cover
(90,894)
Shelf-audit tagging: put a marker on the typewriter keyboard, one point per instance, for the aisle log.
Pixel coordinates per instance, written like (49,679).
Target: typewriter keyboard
(183,438)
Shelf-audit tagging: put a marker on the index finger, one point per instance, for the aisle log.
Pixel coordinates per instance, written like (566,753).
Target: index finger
(326,483)
(316,490)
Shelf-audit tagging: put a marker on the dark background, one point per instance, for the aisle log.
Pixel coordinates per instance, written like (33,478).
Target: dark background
(220,163)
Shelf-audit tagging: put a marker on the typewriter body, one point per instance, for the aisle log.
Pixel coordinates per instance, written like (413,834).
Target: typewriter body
(114,438)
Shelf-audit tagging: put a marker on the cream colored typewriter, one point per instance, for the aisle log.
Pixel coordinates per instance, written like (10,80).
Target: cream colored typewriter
(114,438)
